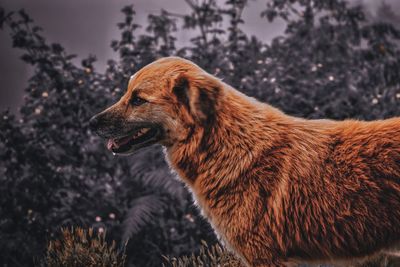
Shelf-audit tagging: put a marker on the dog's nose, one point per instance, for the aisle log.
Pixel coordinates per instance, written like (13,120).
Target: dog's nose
(94,123)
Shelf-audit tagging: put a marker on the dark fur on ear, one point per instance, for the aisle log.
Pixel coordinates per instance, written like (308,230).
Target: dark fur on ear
(199,96)
(180,90)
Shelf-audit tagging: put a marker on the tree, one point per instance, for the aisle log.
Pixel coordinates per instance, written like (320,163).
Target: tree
(332,62)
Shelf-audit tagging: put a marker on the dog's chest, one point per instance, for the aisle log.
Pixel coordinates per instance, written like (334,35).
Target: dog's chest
(223,227)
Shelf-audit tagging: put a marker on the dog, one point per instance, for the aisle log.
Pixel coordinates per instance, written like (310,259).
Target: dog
(277,189)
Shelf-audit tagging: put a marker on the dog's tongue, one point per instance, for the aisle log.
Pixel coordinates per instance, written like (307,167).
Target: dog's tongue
(116,143)
(110,144)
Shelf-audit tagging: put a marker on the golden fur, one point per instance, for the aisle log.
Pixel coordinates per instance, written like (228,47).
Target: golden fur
(277,189)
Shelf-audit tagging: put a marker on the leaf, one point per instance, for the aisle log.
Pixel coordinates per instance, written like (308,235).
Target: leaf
(142,212)
(24,16)
(57,48)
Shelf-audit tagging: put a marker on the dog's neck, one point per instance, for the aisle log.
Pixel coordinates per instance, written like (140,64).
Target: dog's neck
(221,151)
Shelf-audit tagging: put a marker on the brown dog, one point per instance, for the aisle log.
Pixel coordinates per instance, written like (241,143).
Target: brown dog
(277,189)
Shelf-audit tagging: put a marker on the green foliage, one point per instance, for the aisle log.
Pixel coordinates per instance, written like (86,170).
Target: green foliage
(81,248)
(331,62)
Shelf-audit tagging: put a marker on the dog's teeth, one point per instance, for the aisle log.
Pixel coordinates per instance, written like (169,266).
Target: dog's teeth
(114,154)
(140,132)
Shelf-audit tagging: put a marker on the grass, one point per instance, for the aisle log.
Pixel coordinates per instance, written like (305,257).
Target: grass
(210,256)
(77,247)
(83,248)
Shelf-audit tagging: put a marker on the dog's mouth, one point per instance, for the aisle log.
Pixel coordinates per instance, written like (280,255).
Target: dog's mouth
(139,138)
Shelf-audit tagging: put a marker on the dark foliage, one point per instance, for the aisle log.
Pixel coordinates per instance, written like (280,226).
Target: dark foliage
(331,62)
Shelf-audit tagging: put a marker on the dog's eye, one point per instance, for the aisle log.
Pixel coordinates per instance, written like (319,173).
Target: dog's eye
(137,101)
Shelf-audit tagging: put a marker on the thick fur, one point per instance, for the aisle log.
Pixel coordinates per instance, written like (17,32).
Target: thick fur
(277,189)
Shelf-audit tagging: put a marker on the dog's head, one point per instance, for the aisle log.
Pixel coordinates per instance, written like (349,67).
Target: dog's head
(165,102)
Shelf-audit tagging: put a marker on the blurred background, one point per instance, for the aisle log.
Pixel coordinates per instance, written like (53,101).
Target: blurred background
(86,27)
(63,61)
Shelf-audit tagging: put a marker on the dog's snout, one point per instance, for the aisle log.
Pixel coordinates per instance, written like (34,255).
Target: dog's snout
(103,124)
(94,123)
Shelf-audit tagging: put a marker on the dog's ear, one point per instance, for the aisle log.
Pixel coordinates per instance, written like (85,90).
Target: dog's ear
(198,95)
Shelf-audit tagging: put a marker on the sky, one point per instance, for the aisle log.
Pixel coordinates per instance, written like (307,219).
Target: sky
(86,27)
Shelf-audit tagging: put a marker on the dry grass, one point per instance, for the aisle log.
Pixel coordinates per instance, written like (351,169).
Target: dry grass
(382,261)
(86,248)
(214,256)
(81,248)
